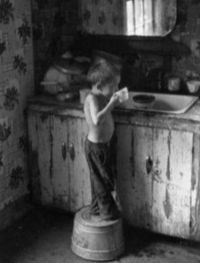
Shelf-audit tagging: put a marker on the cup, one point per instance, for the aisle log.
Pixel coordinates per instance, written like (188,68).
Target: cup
(193,86)
(123,94)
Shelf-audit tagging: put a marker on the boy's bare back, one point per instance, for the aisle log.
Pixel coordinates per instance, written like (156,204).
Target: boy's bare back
(99,131)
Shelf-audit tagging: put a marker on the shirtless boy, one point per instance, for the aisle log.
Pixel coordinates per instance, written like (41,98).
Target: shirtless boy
(104,79)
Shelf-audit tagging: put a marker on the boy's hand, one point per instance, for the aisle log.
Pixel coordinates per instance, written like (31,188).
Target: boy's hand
(114,100)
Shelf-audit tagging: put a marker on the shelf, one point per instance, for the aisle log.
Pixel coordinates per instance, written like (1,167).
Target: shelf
(123,45)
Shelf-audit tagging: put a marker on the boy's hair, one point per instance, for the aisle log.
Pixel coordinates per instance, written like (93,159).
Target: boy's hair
(102,73)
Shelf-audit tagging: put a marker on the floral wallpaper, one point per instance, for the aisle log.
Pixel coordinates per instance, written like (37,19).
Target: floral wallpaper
(54,25)
(102,16)
(16,84)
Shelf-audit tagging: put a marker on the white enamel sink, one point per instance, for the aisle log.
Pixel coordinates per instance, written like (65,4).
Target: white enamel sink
(165,103)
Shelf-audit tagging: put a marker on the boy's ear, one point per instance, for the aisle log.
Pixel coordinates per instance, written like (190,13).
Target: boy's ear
(98,85)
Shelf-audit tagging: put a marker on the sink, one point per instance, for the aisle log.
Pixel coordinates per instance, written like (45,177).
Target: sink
(164,103)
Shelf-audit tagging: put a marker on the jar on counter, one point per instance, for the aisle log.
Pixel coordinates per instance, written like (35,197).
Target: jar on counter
(173,84)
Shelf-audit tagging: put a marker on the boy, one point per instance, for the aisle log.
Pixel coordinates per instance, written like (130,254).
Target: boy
(104,78)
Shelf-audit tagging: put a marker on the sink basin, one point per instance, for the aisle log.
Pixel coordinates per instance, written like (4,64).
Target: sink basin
(164,103)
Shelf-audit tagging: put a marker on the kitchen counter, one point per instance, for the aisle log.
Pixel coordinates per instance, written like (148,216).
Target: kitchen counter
(189,121)
(51,103)
(157,165)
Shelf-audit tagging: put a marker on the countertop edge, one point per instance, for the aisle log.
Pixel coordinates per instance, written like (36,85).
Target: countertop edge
(50,104)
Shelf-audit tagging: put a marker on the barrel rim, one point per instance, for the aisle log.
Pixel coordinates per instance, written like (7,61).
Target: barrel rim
(103,223)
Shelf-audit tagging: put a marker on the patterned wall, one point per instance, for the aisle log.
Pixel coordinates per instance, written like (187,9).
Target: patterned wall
(103,17)
(16,84)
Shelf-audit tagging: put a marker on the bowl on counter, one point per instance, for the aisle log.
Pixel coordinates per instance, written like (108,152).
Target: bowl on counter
(143,101)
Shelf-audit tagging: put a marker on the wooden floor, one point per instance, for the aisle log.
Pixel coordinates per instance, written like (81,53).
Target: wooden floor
(44,237)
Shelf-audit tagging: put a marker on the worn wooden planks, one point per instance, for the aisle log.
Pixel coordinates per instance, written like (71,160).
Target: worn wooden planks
(160,174)
(39,130)
(163,198)
(45,158)
(80,193)
(154,173)
(33,157)
(60,164)
(142,153)
(195,190)
(125,169)
(172,196)
(60,175)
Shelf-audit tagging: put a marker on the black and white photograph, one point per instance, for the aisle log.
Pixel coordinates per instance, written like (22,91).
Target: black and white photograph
(99,131)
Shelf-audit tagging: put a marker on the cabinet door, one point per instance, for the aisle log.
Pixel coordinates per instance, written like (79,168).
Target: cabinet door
(134,146)
(40,154)
(71,185)
(60,163)
(172,186)
(80,189)
(59,171)
(154,178)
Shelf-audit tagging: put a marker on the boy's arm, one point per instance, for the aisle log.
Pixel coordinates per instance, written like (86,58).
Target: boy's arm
(98,116)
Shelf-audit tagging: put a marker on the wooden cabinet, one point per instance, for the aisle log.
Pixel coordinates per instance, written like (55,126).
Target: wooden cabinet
(60,175)
(40,156)
(155,170)
(158,167)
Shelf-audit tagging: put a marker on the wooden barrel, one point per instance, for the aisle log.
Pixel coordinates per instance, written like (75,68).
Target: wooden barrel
(97,240)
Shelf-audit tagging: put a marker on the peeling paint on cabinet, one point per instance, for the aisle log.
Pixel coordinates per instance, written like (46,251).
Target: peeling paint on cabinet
(159,198)
(167,205)
(45,159)
(80,193)
(40,153)
(158,166)
(63,174)
(195,193)
(143,149)
(181,159)
(61,178)
(33,158)
(135,192)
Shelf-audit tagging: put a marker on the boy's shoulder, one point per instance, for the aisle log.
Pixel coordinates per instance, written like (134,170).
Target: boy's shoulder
(92,97)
